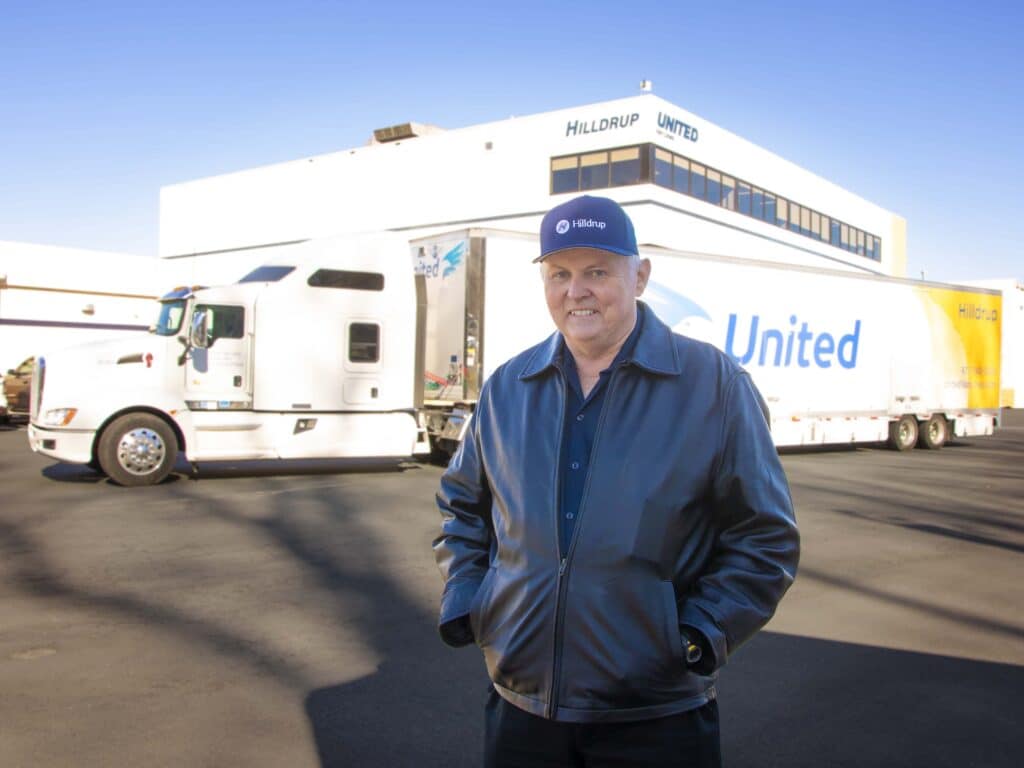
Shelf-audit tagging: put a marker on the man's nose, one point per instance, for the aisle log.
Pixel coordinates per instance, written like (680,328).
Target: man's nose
(578,287)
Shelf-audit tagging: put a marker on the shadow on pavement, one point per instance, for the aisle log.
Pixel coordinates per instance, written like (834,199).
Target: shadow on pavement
(784,701)
(796,702)
(72,473)
(79,473)
(288,467)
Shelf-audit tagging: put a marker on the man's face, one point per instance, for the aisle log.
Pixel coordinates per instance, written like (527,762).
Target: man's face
(591,295)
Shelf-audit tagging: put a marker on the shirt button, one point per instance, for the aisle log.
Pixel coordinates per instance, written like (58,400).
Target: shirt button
(575,465)
(568,515)
(579,417)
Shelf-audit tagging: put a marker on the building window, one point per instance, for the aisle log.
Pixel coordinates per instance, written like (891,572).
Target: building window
(594,171)
(565,175)
(681,175)
(364,343)
(743,200)
(714,187)
(698,180)
(663,167)
(782,212)
(625,166)
(728,192)
(648,163)
(769,207)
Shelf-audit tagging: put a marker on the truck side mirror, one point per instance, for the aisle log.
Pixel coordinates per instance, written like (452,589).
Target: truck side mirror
(199,334)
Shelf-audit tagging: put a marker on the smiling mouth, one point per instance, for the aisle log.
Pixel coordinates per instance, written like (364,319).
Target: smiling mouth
(582,312)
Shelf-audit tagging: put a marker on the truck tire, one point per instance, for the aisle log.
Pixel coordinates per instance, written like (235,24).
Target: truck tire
(934,432)
(137,449)
(903,433)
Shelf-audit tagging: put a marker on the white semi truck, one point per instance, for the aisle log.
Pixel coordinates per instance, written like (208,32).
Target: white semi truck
(336,348)
(313,355)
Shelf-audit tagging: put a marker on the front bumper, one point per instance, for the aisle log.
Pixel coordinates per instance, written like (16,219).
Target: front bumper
(71,445)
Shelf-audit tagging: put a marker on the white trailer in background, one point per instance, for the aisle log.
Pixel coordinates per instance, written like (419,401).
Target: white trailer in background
(313,355)
(342,348)
(840,357)
(52,297)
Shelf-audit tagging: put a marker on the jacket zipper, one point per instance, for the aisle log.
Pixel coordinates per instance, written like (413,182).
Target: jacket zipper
(556,632)
(565,561)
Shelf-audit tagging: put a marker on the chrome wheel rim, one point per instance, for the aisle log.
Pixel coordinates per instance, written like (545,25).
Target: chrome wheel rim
(140,451)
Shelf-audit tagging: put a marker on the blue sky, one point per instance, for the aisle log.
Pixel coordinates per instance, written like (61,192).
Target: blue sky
(915,106)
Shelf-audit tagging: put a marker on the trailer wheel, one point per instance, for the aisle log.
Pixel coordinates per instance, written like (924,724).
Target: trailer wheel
(137,449)
(903,433)
(934,432)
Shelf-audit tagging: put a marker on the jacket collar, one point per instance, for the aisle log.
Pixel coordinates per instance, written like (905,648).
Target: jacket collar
(655,351)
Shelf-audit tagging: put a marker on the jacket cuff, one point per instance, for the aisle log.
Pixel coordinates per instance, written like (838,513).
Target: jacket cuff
(457,599)
(457,632)
(703,622)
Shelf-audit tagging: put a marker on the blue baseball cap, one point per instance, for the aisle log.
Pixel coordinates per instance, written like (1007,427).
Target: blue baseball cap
(587,222)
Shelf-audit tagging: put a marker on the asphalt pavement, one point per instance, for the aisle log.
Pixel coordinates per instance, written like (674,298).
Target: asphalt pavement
(247,616)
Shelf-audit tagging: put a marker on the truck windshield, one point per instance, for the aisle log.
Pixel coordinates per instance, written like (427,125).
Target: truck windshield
(171,315)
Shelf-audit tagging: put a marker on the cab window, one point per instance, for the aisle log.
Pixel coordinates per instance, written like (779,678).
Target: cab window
(225,322)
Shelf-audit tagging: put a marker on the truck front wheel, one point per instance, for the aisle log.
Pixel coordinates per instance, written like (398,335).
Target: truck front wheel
(137,449)
(903,433)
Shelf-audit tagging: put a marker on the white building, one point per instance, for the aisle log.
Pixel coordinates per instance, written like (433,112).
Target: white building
(687,184)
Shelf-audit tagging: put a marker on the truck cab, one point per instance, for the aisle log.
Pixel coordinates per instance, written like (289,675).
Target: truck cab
(311,356)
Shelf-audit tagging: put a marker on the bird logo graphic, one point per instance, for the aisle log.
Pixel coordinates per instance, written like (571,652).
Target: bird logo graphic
(453,258)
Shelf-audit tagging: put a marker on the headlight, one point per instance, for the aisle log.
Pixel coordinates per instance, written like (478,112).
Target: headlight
(59,417)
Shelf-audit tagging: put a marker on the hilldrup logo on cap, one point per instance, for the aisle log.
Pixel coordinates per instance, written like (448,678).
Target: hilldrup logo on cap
(564,225)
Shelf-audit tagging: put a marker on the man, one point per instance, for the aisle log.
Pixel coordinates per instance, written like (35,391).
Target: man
(616,522)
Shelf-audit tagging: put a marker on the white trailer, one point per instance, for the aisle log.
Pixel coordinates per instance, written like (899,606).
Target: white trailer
(52,296)
(337,348)
(313,355)
(840,357)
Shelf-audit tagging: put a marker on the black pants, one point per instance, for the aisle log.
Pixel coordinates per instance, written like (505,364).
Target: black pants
(516,739)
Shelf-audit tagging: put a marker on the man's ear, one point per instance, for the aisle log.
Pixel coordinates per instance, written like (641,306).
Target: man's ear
(643,274)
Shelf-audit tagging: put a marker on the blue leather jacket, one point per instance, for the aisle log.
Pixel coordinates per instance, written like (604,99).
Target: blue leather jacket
(686,519)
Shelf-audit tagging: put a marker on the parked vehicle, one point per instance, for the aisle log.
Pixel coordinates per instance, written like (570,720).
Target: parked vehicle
(336,348)
(840,356)
(16,385)
(313,355)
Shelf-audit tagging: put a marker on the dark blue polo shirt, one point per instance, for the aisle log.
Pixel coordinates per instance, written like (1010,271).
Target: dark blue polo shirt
(581,418)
